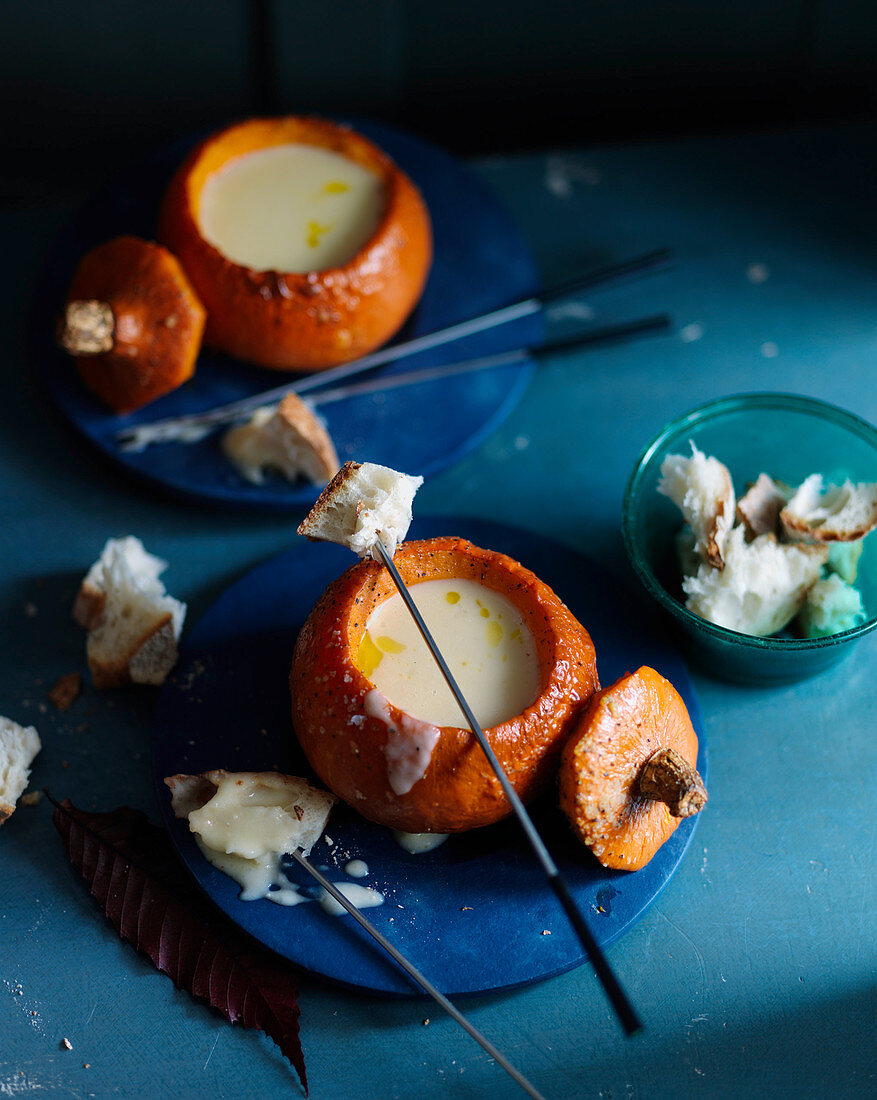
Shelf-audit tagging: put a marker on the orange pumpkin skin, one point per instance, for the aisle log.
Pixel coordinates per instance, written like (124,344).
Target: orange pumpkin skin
(159,322)
(620,728)
(458,790)
(317,319)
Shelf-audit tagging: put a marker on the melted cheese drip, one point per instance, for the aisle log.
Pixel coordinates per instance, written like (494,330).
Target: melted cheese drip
(415,843)
(363,897)
(258,878)
(481,635)
(249,819)
(409,744)
(290,208)
(247,825)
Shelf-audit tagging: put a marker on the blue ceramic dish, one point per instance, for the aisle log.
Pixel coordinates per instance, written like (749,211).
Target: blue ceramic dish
(788,437)
(471,913)
(481,262)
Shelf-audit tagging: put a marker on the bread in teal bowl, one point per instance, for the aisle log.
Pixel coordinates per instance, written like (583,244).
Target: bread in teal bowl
(746,519)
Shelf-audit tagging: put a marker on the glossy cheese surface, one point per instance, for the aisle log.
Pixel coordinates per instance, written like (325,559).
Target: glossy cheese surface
(290,208)
(483,638)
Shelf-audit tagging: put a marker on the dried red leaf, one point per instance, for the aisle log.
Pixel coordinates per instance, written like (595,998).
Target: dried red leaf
(133,872)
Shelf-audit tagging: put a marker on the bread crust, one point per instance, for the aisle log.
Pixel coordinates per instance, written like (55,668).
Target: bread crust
(147,660)
(19,746)
(846,520)
(312,526)
(321,459)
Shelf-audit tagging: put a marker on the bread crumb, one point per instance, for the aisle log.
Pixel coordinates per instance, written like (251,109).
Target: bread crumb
(688,334)
(757,273)
(66,1044)
(66,691)
(426,1022)
(31,798)
(30,609)
(546,932)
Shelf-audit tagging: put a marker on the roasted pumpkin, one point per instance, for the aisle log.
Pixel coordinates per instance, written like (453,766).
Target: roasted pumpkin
(346,740)
(628,771)
(305,320)
(132,322)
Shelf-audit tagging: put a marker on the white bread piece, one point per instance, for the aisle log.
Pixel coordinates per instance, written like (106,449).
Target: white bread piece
(702,489)
(91,598)
(760,506)
(136,637)
(288,437)
(831,607)
(843,559)
(364,502)
(251,814)
(18,747)
(762,587)
(828,513)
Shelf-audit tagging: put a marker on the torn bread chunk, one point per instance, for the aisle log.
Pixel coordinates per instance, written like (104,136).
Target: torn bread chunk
(762,587)
(701,487)
(363,503)
(760,506)
(831,606)
(245,821)
(289,438)
(251,813)
(92,596)
(843,559)
(18,747)
(135,638)
(830,513)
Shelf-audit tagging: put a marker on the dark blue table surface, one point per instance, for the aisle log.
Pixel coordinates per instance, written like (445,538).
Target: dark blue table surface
(755,970)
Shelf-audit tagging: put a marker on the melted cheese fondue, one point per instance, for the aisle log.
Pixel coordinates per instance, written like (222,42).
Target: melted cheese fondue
(294,208)
(249,823)
(482,636)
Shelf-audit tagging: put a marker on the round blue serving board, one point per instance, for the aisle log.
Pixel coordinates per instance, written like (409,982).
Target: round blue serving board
(481,263)
(471,914)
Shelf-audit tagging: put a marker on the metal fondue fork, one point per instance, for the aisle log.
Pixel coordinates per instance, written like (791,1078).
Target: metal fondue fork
(624,1009)
(416,976)
(170,429)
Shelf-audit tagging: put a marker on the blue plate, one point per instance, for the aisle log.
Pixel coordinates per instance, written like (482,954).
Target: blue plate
(481,263)
(472,913)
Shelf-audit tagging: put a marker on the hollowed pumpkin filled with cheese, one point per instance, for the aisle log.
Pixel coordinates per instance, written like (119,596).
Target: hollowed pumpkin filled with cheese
(307,245)
(376,720)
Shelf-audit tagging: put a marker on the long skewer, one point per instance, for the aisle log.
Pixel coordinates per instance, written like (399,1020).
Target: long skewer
(604,334)
(166,431)
(225,414)
(626,1013)
(416,976)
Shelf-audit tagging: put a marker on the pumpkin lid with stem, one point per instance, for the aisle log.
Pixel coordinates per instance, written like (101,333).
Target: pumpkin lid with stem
(132,322)
(628,772)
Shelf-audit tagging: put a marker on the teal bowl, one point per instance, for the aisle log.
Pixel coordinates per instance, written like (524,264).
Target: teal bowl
(788,437)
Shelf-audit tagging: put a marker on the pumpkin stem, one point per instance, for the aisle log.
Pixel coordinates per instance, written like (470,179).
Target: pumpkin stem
(87,328)
(668,777)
